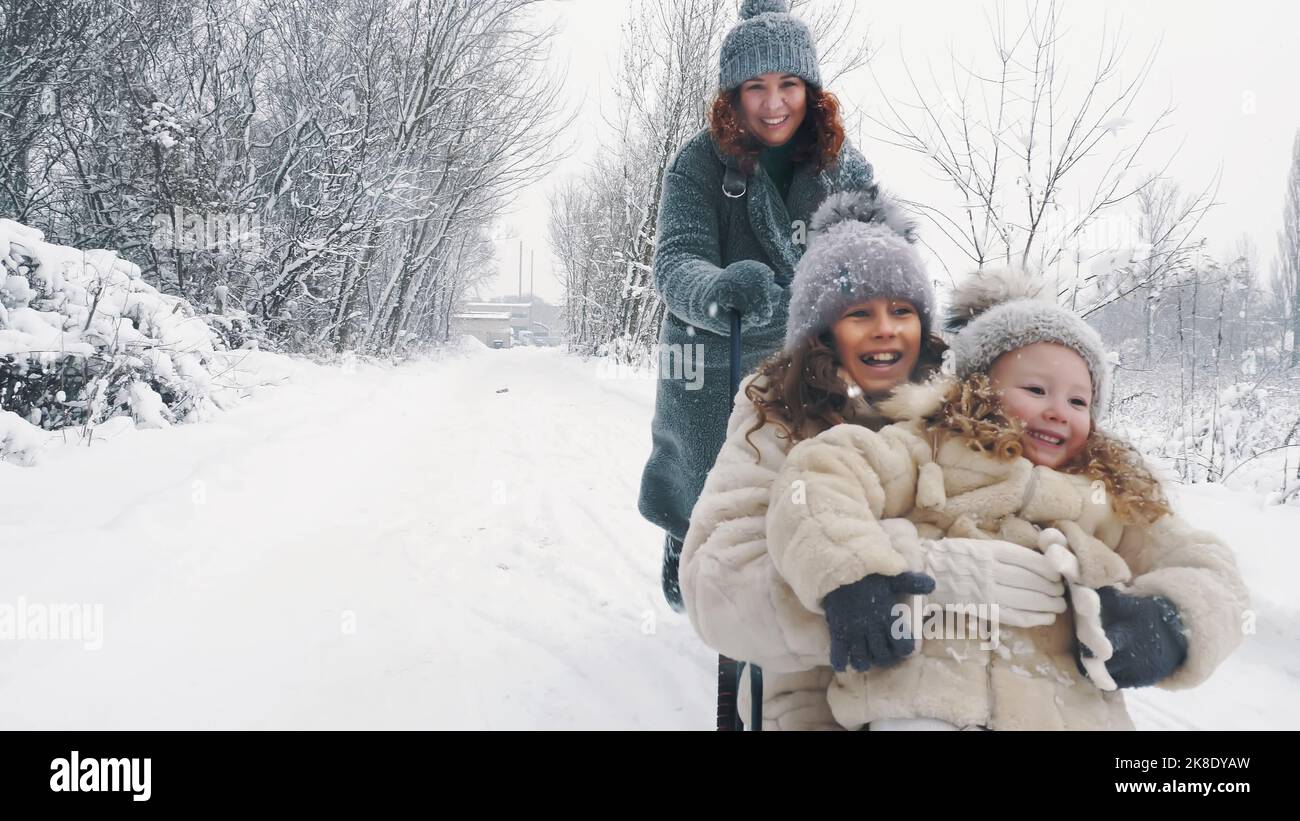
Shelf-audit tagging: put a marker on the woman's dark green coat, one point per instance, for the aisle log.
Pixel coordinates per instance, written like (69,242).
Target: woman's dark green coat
(701,232)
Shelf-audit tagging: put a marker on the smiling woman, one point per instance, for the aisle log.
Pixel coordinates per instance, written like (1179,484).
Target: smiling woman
(778,121)
(774,149)
(773,105)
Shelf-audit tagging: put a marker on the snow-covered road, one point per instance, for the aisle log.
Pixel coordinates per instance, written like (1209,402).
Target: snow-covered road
(386,548)
(411,548)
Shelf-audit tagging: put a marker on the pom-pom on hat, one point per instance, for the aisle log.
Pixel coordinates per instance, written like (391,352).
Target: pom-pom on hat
(768,38)
(860,247)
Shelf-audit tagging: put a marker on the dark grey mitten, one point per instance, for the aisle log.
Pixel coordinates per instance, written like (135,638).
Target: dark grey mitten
(859,617)
(747,286)
(1146,634)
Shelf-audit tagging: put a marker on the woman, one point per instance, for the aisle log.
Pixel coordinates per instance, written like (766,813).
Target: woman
(859,326)
(733,204)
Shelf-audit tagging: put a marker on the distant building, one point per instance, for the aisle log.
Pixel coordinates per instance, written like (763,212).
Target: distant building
(516,312)
(527,327)
(488,328)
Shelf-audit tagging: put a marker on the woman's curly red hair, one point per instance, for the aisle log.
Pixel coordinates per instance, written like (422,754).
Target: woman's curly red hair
(819,138)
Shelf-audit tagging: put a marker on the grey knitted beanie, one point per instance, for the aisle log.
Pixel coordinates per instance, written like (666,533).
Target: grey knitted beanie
(768,38)
(860,247)
(997,311)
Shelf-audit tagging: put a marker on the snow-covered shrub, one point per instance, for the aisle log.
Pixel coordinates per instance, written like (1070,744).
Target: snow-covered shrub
(1220,434)
(625,351)
(234,328)
(84,338)
(161,126)
(1245,435)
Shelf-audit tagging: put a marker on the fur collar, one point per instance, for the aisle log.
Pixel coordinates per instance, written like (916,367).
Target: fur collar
(916,400)
(908,401)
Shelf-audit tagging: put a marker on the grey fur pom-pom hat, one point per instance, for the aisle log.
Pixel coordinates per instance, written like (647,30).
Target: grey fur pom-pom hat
(996,311)
(768,38)
(860,247)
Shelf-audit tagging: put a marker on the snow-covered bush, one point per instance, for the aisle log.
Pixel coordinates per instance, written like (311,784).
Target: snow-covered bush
(233,327)
(1237,425)
(1245,434)
(84,338)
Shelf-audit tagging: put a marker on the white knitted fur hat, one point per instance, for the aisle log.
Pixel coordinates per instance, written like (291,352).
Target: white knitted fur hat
(996,311)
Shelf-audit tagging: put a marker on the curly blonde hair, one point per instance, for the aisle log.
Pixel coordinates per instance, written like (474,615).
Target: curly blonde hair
(972,412)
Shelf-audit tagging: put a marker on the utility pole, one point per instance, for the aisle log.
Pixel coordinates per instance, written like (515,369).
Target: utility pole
(532,270)
(521,269)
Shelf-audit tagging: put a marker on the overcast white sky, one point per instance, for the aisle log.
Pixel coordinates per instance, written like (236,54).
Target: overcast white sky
(1231,69)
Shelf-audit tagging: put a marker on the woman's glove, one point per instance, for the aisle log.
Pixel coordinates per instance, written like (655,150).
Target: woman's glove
(747,286)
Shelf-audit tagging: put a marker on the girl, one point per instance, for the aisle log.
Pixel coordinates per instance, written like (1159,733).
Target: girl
(1009,450)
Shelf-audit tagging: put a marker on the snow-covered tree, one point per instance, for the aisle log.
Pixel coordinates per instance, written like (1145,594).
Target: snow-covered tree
(1037,151)
(1288,252)
(332,167)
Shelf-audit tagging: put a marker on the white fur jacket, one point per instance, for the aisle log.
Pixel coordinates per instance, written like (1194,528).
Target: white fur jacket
(769,539)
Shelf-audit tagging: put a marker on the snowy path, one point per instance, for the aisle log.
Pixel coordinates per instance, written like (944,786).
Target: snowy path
(1258,688)
(388,548)
(408,548)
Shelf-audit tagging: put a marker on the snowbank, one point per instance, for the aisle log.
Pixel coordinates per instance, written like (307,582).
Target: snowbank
(83,338)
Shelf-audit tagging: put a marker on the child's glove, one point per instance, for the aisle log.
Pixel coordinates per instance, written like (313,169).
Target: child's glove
(1121,640)
(859,617)
(1146,634)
